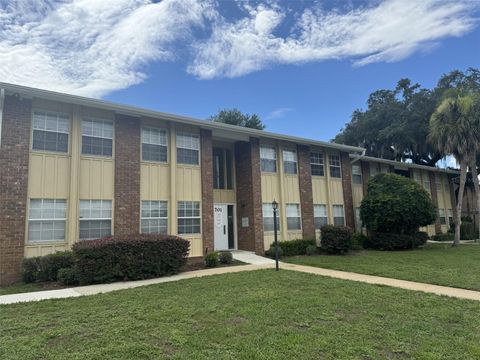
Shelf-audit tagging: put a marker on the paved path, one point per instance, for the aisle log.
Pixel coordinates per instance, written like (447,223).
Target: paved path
(257,263)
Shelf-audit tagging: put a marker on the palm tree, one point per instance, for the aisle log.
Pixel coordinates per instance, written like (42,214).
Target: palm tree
(453,132)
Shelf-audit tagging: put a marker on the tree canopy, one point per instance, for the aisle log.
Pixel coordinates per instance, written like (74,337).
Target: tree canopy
(236,117)
(395,124)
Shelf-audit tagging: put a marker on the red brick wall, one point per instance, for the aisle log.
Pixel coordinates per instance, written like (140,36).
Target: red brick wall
(433,191)
(14,151)
(306,191)
(249,195)
(365,175)
(347,190)
(207,189)
(127,175)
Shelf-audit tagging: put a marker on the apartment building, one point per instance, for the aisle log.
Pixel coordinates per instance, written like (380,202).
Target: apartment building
(74,168)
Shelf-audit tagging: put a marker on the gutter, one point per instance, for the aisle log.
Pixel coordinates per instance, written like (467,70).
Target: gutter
(357,158)
(2,99)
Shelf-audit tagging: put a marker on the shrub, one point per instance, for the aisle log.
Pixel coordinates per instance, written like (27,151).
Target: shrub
(68,276)
(468,230)
(389,241)
(443,237)
(212,259)
(271,252)
(129,257)
(311,250)
(45,268)
(395,204)
(358,240)
(336,239)
(225,257)
(293,247)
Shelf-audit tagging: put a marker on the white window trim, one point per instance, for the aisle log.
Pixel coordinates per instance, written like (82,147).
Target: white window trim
(357,171)
(69,132)
(177,146)
(322,164)
(299,216)
(274,158)
(330,166)
(47,219)
(95,219)
(151,217)
(190,217)
(290,161)
(340,206)
(270,217)
(151,143)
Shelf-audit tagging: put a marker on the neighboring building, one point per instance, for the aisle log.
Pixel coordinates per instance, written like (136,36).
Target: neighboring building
(73,168)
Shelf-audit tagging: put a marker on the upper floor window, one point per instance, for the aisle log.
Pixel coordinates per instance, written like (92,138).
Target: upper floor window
(374,169)
(293,217)
(356,174)
(289,162)
(335,166)
(50,131)
(268,159)
(97,137)
(188,149)
(320,215)
(316,163)
(47,220)
(338,215)
(95,219)
(438,184)
(154,144)
(222,168)
(154,217)
(426,185)
(417,177)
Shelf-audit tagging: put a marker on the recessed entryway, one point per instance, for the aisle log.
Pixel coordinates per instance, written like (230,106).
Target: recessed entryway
(224,226)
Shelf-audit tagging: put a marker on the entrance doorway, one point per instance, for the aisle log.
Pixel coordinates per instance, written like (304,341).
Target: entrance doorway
(224,226)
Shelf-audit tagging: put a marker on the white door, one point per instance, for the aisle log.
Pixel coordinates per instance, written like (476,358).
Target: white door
(220,220)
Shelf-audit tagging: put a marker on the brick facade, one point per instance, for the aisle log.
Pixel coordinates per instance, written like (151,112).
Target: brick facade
(365,175)
(433,191)
(14,158)
(306,191)
(207,189)
(127,175)
(347,190)
(249,196)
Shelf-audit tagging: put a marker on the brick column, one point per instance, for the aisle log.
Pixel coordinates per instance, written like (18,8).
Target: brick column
(249,195)
(365,176)
(306,191)
(207,189)
(433,191)
(14,151)
(127,175)
(347,190)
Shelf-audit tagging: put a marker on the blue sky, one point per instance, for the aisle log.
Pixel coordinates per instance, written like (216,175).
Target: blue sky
(303,66)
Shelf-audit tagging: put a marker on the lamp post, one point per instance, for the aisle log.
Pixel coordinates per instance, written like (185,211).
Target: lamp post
(275,209)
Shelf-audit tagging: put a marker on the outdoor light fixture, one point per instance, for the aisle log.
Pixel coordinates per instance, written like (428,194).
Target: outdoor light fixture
(275,209)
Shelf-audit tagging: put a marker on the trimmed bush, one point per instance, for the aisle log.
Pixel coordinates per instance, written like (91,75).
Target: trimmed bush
(293,247)
(45,268)
(336,239)
(311,250)
(225,257)
(68,276)
(443,237)
(129,257)
(271,252)
(212,259)
(358,241)
(388,241)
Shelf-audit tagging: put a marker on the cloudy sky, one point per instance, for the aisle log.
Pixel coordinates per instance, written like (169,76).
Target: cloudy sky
(302,65)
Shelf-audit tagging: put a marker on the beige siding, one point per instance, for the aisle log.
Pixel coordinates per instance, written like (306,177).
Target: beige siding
(49,176)
(154,181)
(189,183)
(224,196)
(96,178)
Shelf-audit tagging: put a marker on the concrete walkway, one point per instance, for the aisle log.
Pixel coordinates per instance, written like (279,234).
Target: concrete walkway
(256,263)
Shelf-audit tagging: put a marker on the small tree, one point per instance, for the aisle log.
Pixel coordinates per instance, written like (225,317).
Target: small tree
(395,204)
(236,117)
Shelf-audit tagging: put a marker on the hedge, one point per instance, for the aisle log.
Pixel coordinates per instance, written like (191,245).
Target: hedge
(45,268)
(443,237)
(389,241)
(336,239)
(291,247)
(129,257)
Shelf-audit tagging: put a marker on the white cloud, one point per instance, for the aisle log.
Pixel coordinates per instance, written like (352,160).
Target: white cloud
(388,31)
(90,47)
(278,113)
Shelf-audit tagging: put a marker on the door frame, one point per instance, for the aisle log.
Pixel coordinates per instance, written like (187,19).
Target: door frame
(235,233)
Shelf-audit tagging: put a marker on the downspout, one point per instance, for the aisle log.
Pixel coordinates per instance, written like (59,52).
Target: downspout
(2,99)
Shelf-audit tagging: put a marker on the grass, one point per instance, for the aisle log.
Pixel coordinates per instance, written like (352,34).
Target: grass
(439,264)
(23,287)
(248,315)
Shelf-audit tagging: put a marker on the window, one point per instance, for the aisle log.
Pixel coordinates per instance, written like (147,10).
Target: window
(154,217)
(47,220)
(50,131)
(188,148)
(188,214)
(289,162)
(316,163)
(97,137)
(450,217)
(95,219)
(417,177)
(441,216)
(268,159)
(335,167)
(268,217)
(438,184)
(356,174)
(338,215)
(426,185)
(320,214)
(293,217)
(374,169)
(154,144)
(358,220)
(222,168)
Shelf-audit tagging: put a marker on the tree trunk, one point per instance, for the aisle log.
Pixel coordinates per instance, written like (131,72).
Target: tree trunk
(473,165)
(458,219)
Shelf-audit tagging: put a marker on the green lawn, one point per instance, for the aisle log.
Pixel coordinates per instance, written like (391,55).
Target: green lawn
(249,315)
(439,264)
(23,288)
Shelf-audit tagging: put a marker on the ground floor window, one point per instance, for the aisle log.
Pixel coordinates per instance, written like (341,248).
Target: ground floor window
(358,220)
(268,217)
(450,217)
(293,217)
(320,214)
(95,219)
(338,215)
(441,216)
(47,220)
(154,218)
(188,214)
